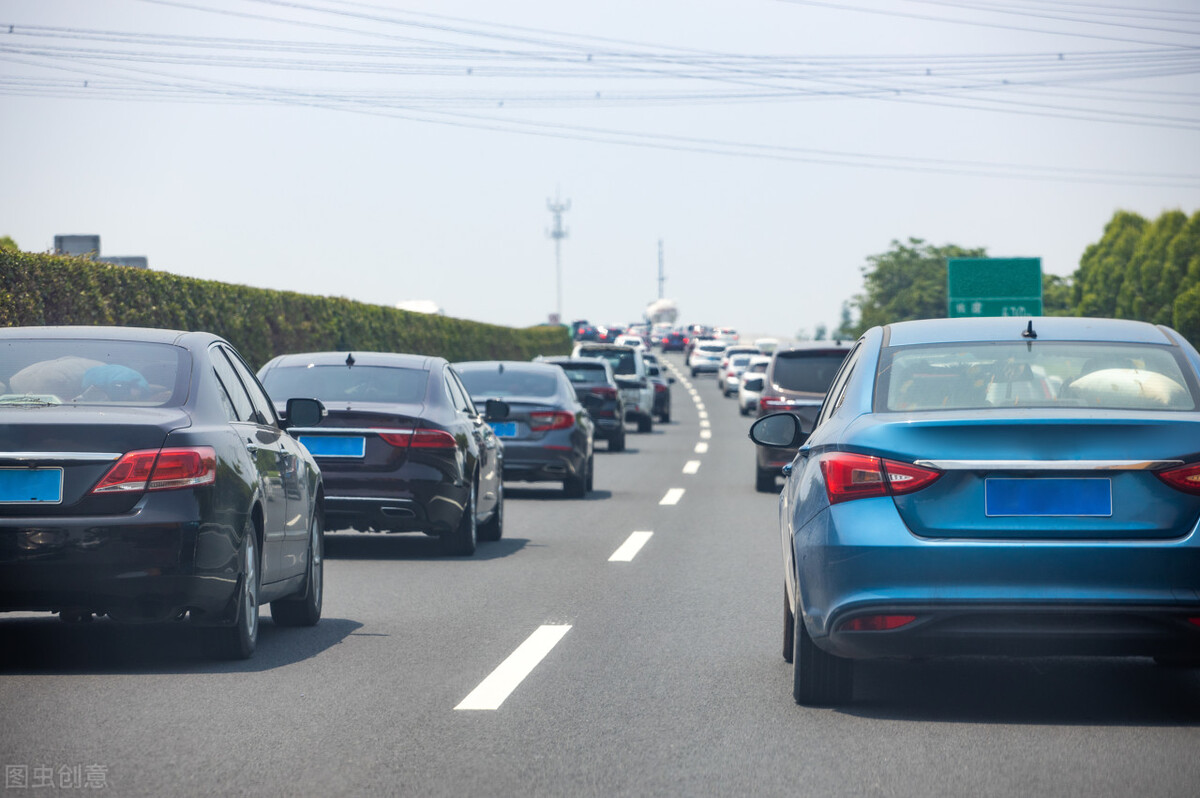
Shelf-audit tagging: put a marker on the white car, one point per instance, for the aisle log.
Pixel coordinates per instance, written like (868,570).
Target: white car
(749,389)
(730,375)
(631,340)
(706,357)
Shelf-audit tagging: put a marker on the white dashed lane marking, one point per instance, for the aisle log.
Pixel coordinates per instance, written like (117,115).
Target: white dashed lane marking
(673,496)
(701,448)
(500,683)
(691,466)
(629,549)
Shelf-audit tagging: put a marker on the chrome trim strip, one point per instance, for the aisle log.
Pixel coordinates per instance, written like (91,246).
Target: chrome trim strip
(54,457)
(348,430)
(1048,465)
(385,499)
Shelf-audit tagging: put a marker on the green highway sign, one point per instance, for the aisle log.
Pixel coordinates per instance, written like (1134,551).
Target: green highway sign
(994,286)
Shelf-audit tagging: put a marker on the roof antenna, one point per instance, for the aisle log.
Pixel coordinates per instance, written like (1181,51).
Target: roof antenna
(1029,333)
(350,360)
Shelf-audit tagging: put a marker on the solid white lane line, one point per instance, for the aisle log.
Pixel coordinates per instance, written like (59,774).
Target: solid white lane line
(701,448)
(673,496)
(500,683)
(629,549)
(706,433)
(691,466)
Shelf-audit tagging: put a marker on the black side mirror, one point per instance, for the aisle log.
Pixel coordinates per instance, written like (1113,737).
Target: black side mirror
(304,413)
(495,410)
(779,431)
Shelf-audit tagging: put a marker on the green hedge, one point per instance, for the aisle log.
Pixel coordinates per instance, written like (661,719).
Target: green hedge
(40,289)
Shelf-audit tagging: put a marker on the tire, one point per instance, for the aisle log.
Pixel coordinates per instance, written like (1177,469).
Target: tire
(664,417)
(764,480)
(645,423)
(693,374)
(589,484)
(238,641)
(818,677)
(306,610)
(745,411)
(789,629)
(461,541)
(575,487)
(617,444)
(492,529)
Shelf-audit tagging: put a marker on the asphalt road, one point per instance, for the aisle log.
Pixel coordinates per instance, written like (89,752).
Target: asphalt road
(657,675)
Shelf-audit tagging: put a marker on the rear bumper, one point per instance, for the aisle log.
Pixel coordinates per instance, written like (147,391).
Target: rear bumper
(1018,597)
(535,464)
(145,566)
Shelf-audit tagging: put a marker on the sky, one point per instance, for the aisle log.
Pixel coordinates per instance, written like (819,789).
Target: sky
(397,151)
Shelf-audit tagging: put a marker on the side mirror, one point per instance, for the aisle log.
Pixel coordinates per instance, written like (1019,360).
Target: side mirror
(779,431)
(304,413)
(495,410)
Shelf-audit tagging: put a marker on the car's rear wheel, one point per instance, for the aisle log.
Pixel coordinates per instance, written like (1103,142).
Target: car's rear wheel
(461,540)
(818,677)
(764,480)
(306,610)
(575,486)
(493,529)
(665,417)
(645,423)
(238,641)
(589,484)
(617,442)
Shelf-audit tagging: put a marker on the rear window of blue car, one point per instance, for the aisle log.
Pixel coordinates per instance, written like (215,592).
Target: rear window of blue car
(93,372)
(355,384)
(1103,376)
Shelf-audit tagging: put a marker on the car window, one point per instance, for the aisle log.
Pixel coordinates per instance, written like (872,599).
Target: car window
(493,382)
(622,360)
(103,372)
(458,391)
(1107,376)
(809,372)
(242,405)
(339,383)
(837,390)
(262,403)
(582,373)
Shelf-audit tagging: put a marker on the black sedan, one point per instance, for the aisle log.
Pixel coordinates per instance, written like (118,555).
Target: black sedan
(548,435)
(145,475)
(593,377)
(403,449)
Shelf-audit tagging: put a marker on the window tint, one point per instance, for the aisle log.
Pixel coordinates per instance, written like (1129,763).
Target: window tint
(621,360)
(1105,376)
(582,373)
(243,407)
(811,372)
(93,372)
(837,391)
(262,403)
(339,383)
(494,383)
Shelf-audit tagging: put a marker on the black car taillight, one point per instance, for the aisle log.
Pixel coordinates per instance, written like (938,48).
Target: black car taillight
(542,421)
(419,439)
(604,392)
(161,469)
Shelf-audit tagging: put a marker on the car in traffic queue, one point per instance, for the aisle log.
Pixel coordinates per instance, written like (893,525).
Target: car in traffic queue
(706,356)
(629,368)
(945,504)
(673,341)
(402,447)
(796,381)
(662,391)
(593,376)
(733,365)
(751,383)
(145,475)
(548,432)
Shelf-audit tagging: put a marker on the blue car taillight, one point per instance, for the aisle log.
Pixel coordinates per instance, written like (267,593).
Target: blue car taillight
(858,476)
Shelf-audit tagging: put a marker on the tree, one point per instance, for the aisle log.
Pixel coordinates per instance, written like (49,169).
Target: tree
(1057,295)
(907,282)
(8,245)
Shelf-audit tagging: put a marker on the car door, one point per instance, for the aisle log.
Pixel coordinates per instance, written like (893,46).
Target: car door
(263,439)
(486,442)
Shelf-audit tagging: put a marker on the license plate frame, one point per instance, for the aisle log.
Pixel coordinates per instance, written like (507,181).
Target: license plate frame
(346,446)
(504,429)
(17,485)
(1048,497)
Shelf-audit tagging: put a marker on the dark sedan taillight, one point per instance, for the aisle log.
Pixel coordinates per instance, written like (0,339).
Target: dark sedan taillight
(859,476)
(542,421)
(604,392)
(161,469)
(419,439)
(660,388)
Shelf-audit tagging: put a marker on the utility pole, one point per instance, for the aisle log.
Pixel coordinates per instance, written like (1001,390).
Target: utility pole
(558,233)
(661,277)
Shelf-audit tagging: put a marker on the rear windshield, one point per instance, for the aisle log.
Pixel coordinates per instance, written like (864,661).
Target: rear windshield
(1104,376)
(810,372)
(740,360)
(580,372)
(339,383)
(494,383)
(711,348)
(93,372)
(621,360)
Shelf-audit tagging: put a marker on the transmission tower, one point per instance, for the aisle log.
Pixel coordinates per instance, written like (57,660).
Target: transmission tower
(558,233)
(662,278)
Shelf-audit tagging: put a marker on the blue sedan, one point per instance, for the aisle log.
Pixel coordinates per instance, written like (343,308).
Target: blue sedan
(994,486)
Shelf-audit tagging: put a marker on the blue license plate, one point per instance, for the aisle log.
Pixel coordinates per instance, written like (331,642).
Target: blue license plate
(1048,497)
(334,445)
(31,485)
(504,429)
